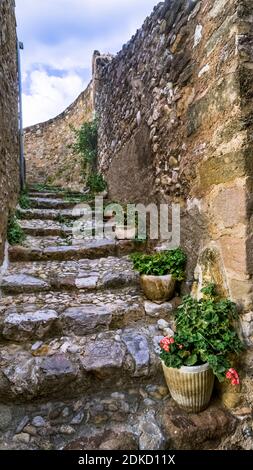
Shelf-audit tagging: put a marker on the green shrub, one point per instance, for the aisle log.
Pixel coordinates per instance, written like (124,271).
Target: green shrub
(15,233)
(96,183)
(24,201)
(204,333)
(87,141)
(162,263)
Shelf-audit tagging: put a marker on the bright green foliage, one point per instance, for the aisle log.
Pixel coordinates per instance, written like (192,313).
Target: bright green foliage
(96,183)
(205,332)
(15,233)
(24,200)
(162,263)
(87,141)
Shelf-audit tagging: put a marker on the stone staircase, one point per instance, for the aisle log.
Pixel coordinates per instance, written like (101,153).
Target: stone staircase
(79,365)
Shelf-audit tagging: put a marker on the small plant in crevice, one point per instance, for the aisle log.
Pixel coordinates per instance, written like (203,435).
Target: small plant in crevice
(24,200)
(86,143)
(96,183)
(15,234)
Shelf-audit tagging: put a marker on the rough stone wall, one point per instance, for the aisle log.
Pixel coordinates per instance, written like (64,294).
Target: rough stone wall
(176,117)
(49,158)
(9,139)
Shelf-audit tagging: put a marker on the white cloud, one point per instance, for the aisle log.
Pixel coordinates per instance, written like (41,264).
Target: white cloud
(50,95)
(59,38)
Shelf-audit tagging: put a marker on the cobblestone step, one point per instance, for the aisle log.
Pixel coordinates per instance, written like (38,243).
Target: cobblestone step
(45,228)
(85,275)
(47,203)
(139,418)
(49,315)
(50,228)
(56,249)
(48,214)
(70,365)
(55,194)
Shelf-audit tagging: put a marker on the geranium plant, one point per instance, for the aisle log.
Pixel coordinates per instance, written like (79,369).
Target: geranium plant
(205,332)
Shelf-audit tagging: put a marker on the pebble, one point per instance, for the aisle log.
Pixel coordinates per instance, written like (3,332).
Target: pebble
(162,324)
(22,437)
(78,418)
(68,430)
(30,430)
(38,422)
(22,424)
(37,345)
(66,412)
(148,402)
(168,332)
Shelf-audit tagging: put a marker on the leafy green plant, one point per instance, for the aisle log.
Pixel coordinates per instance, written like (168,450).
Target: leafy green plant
(205,332)
(162,263)
(86,143)
(24,200)
(15,234)
(96,182)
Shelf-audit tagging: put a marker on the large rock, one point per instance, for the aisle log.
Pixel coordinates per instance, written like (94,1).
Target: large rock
(23,282)
(151,436)
(103,357)
(109,440)
(22,327)
(138,347)
(86,319)
(196,431)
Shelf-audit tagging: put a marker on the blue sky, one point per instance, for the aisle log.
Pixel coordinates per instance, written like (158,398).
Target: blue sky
(59,38)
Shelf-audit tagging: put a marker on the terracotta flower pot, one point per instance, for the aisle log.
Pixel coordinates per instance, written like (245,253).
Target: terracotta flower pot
(190,387)
(158,287)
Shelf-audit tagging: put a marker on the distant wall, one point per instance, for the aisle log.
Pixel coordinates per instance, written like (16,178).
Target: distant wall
(175,108)
(9,143)
(48,156)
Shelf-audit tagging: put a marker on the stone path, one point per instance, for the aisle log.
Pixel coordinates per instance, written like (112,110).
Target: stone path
(79,365)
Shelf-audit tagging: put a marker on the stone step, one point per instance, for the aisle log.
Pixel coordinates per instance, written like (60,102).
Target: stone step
(85,275)
(56,195)
(70,366)
(56,314)
(46,203)
(57,214)
(58,249)
(44,214)
(49,228)
(45,228)
(139,418)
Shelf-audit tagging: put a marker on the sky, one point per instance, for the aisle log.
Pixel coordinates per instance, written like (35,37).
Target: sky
(59,38)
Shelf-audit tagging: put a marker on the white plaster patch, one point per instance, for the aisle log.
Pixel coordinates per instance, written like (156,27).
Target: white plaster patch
(204,70)
(198,35)
(193,203)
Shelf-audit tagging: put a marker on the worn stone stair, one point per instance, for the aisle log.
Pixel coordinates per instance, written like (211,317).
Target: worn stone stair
(79,364)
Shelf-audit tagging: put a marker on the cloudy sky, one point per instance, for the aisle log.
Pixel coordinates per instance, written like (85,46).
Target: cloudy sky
(59,37)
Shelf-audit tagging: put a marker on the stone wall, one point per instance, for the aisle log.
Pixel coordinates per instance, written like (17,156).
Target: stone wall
(49,158)
(175,126)
(9,138)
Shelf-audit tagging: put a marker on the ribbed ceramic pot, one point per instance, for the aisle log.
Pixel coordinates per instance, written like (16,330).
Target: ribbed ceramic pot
(190,387)
(158,287)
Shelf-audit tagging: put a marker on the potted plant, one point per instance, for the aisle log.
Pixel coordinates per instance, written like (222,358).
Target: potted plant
(202,348)
(159,272)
